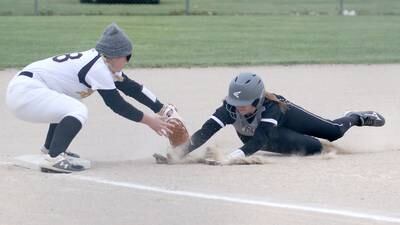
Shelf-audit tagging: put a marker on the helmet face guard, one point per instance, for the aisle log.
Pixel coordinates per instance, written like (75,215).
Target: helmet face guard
(233,113)
(231,110)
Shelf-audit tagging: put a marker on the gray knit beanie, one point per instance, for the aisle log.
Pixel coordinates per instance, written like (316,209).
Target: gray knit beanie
(114,42)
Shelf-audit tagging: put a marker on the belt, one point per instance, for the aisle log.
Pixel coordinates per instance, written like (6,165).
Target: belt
(26,73)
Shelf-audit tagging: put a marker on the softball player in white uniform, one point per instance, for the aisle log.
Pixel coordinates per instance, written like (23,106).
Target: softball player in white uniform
(49,91)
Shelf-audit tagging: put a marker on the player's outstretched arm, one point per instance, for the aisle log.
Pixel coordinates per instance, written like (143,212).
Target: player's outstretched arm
(114,100)
(117,104)
(139,92)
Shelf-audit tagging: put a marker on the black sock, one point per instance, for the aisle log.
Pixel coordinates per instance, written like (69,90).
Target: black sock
(64,133)
(50,135)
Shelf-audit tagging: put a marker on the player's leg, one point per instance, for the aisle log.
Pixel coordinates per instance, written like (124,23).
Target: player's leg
(305,122)
(49,137)
(32,101)
(285,141)
(64,133)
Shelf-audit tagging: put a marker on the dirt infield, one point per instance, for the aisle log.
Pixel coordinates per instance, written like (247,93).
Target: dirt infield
(125,186)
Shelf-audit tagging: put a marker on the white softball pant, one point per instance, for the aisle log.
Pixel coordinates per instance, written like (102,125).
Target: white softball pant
(31,100)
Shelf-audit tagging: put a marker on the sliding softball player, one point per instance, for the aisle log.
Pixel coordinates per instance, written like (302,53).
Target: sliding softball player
(269,122)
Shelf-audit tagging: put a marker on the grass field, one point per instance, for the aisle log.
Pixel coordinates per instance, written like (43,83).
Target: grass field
(162,41)
(203,7)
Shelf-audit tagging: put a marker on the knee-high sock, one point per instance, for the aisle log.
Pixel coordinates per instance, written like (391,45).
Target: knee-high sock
(50,134)
(64,133)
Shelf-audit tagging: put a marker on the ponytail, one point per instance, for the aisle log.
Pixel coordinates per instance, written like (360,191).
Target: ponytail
(272,97)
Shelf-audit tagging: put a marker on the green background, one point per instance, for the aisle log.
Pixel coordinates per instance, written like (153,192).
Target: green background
(225,38)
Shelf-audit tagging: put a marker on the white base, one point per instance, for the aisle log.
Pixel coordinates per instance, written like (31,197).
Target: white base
(33,161)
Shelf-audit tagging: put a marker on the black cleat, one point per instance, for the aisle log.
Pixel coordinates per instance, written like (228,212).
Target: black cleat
(368,118)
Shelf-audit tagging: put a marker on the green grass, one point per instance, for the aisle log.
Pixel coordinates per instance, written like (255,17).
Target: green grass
(203,7)
(162,41)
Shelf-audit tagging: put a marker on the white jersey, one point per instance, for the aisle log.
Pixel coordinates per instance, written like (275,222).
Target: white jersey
(75,74)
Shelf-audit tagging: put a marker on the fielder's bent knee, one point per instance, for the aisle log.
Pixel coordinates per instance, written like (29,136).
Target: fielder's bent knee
(80,113)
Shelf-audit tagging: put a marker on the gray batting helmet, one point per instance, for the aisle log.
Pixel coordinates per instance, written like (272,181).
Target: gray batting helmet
(245,89)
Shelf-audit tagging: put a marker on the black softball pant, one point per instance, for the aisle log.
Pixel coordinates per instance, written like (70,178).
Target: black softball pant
(299,130)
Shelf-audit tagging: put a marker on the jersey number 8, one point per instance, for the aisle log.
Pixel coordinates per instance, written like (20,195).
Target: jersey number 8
(63,58)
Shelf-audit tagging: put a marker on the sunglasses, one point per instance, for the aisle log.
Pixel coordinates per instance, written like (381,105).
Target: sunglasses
(128,57)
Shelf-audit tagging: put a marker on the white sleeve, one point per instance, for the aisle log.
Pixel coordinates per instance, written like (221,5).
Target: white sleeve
(100,77)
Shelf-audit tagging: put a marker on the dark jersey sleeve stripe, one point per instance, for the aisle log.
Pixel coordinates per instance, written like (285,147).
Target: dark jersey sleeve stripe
(114,100)
(83,72)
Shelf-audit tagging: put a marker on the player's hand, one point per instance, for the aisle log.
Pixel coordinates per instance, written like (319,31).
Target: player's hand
(235,157)
(160,126)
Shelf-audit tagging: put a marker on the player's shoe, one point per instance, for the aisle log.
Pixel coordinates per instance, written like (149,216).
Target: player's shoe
(368,118)
(60,164)
(68,153)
